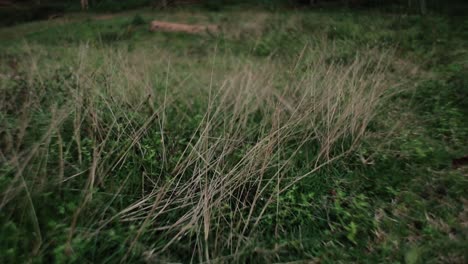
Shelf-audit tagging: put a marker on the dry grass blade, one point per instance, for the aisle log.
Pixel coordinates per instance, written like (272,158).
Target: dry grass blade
(231,166)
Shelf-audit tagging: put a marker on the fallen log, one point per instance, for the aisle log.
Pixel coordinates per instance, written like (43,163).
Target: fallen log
(177,27)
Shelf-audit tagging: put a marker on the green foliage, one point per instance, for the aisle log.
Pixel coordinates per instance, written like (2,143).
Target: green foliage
(394,199)
(119,5)
(213,5)
(138,20)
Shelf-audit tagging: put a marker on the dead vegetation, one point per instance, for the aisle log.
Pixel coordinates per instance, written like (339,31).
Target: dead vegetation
(228,174)
(178,27)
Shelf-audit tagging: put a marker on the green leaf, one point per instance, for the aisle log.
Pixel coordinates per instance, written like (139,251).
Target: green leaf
(412,256)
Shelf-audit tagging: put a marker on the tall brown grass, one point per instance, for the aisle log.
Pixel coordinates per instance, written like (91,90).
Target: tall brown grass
(254,119)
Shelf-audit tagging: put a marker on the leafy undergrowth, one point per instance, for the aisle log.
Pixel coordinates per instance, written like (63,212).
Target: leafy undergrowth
(120,145)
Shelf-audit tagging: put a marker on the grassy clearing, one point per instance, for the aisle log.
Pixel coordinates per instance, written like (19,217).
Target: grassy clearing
(292,136)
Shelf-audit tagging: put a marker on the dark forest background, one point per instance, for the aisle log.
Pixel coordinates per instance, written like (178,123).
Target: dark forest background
(18,11)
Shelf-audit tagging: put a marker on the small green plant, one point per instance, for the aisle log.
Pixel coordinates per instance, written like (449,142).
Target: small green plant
(138,20)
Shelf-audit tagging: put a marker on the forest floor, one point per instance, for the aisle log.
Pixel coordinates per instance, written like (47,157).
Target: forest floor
(314,136)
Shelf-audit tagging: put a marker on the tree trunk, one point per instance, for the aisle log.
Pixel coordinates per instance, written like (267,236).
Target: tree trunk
(84,4)
(422,7)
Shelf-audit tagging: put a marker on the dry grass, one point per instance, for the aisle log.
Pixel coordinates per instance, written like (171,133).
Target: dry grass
(230,172)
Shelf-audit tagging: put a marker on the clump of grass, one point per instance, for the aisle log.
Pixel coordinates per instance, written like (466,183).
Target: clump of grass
(138,20)
(122,142)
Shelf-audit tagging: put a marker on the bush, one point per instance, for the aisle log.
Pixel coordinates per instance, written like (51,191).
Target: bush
(138,20)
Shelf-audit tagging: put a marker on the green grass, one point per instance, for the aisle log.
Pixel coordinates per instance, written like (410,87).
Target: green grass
(116,142)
